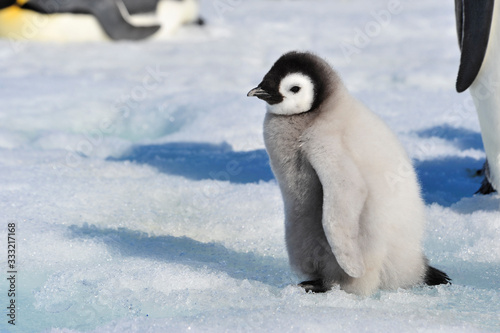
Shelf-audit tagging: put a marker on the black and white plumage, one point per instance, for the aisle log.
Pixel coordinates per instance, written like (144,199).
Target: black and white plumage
(478,33)
(353,211)
(94,20)
(112,16)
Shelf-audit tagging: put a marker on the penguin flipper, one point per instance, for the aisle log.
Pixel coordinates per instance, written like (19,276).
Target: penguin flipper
(141,6)
(112,15)
(344,195)
(473,19)
(459,19)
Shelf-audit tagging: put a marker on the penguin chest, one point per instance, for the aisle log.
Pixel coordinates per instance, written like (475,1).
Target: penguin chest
(299,183)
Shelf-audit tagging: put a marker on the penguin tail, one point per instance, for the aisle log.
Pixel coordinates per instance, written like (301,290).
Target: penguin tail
(434,276)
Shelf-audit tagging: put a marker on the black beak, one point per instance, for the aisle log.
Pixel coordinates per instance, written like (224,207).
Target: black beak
(259,93)
(265,96)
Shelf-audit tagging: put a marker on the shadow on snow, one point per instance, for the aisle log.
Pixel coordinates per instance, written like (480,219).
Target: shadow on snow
(199,161)
(461,138)
(449,179)
(184,250)
(444,180)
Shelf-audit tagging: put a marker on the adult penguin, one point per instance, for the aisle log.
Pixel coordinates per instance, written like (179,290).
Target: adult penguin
(479,39)
(93,20)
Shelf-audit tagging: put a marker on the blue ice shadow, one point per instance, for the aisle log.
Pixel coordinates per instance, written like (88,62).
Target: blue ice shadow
(187,251)
(449,179)
(461,138)
(199,161)
(444,180)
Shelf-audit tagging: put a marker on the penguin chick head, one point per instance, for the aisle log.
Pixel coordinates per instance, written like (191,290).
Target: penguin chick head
(298,82)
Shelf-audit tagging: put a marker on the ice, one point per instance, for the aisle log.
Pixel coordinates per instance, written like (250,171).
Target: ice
(152,207)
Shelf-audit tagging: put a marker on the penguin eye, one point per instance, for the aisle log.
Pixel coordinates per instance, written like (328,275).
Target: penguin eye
(295,89)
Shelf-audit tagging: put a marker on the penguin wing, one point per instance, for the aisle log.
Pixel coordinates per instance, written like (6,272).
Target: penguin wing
(141,6)
(111,14)
(473,19)
(344,195)
(113,17)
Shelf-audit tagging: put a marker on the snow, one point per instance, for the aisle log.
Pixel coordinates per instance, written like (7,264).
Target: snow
(142,195)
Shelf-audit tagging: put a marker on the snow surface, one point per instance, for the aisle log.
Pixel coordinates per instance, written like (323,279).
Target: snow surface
(137,177)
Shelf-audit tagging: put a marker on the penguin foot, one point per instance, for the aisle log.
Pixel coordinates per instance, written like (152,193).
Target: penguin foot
(200,21)
(486,187)
(434,277)
(314,286)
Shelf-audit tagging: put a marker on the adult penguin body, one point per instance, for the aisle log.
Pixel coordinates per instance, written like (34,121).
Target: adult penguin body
(353,211)
(478,29)
(95,20)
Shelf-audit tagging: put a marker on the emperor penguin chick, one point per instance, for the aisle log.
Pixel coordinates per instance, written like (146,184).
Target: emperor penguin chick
(353,211)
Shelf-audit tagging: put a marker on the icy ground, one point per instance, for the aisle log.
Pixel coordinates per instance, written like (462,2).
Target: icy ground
(143,199)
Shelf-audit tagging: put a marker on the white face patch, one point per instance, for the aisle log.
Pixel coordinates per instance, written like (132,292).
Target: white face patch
(298,95)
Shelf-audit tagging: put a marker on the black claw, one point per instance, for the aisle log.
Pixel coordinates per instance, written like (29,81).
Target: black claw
(314,286)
